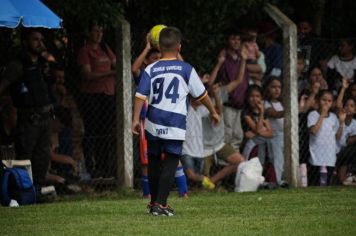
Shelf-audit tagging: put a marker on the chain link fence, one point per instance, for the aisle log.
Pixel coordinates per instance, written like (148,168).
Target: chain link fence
(85,129)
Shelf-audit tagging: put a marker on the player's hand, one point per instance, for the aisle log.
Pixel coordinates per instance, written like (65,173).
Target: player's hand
(215,118)
(136,128)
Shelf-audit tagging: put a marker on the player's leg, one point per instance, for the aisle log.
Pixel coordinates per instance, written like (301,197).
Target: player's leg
(169,165)
(154,168)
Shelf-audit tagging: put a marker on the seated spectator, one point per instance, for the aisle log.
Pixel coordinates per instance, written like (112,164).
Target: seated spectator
(64,168)
(342,65)
(256,128)
(8,117)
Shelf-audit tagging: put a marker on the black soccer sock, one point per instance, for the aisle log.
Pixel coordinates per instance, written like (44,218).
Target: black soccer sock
(166,178)
(153,171)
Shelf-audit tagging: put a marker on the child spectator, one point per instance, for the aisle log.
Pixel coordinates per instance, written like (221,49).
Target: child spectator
(166,83)
(323,126)
(193,148)
(257,129)
(275,113)
(346,144)
(342,65)
(214,144)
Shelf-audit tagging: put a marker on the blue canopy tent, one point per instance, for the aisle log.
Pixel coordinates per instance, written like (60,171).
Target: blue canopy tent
(28,13)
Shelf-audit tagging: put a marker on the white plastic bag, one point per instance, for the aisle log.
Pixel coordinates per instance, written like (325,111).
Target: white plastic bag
(249,176)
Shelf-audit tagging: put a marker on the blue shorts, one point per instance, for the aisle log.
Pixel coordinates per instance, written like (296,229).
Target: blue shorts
(194,163)
(158,146)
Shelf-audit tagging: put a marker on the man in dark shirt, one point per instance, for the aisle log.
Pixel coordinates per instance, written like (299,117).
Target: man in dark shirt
(28,82)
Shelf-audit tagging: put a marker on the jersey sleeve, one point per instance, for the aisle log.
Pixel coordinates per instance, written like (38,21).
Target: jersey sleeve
(195,86)
(144,87)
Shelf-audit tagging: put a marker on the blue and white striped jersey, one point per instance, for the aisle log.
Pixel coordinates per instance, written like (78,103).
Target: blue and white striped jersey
(167,83)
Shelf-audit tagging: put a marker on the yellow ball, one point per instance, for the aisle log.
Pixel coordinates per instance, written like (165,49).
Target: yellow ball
(154,34)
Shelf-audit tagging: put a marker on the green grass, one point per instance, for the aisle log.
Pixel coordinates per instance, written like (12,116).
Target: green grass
(312,211)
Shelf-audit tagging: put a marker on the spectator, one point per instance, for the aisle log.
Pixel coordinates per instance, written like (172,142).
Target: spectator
(275,113)
(29,85)
(308,43)
(302,80)
(256,128)
(342,65)
(233,107)
(323,128)
(273,50)
(97,102)
(214,144)
(256,66)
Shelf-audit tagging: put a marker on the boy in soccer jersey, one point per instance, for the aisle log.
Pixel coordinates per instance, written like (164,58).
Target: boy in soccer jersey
(166,84)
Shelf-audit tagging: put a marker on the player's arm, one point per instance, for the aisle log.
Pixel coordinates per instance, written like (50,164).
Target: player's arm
(206,101)
(136,66)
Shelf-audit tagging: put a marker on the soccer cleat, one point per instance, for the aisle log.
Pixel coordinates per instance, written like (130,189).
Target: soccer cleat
(159,210)
(207,183)
(149,207)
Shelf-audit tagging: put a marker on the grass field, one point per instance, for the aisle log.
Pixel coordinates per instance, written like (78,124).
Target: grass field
(312,211)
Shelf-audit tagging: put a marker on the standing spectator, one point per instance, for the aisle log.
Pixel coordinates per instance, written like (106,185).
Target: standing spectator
(275,113)
(273,50)
(97,102)
(310,45)
(29,87)
(233,107)
(342,65)
(323,128)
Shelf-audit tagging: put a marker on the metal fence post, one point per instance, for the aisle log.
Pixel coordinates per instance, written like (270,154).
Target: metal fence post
(124,105)
(290,97)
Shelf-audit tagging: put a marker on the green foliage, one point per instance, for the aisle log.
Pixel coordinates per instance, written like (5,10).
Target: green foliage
(311,211)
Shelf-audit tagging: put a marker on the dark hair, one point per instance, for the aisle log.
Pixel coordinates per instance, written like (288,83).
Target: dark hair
(169,38)
(251,89)
(322,93)
(269,80)
(233,31)
(347,99)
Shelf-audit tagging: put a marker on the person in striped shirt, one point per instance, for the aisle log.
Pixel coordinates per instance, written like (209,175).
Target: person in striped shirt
(166,84)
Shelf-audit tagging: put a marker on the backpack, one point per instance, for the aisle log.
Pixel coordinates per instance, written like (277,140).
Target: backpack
(16,184)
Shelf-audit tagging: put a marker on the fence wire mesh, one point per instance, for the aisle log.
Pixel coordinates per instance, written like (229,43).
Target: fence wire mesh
(84,131)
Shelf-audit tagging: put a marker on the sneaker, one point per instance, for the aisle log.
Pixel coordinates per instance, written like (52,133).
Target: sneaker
(207,183)
(185,195)
(159,210)
(149,207)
